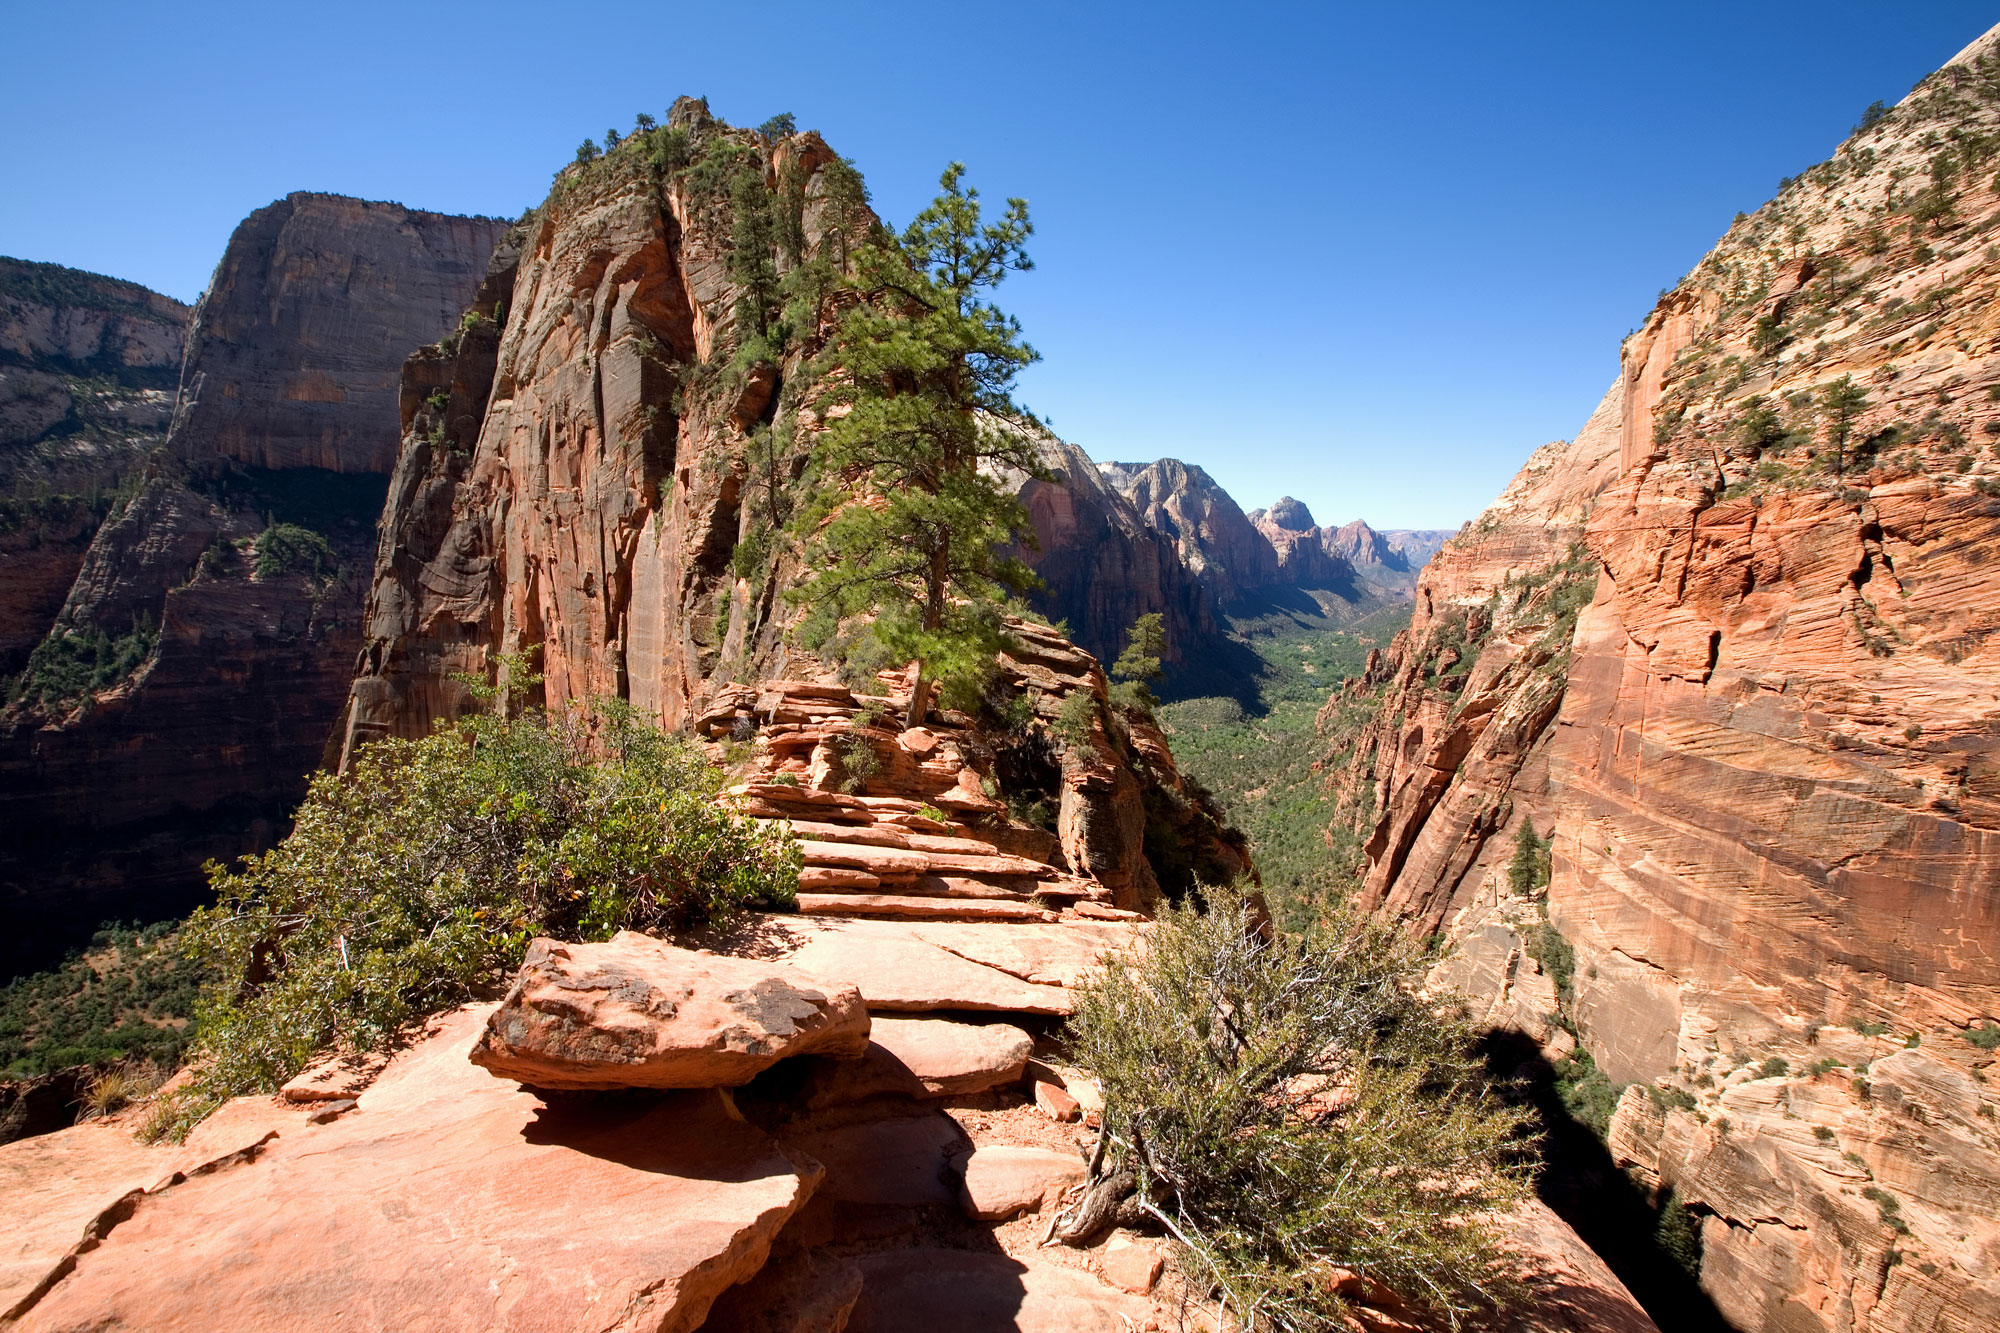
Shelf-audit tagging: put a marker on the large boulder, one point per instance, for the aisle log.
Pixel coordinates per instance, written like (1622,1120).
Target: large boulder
(636,1012)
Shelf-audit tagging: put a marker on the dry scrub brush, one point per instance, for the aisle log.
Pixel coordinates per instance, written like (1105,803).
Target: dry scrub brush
(1287,1105)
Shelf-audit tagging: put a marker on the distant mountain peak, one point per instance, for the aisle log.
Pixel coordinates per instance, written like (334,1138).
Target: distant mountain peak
(1291,515)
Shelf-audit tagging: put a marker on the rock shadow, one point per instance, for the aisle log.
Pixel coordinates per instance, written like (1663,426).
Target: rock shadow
(1581,1182)
(690,1135)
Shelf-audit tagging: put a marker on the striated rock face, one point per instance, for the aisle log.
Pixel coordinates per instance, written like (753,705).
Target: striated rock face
(87,371)
(228,669)
(1107,562)
(1208,530)
(1769,748)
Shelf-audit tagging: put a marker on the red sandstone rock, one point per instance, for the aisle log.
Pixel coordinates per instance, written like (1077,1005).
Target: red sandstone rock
(448,1201)
(923,1291)
(1130,1265)
(998,1183)
(1056,1103)
(639,1013)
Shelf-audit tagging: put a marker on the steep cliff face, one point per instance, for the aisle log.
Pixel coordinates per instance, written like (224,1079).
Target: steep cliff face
(188,685)
(87,371)
(1107,561)
(1772,766)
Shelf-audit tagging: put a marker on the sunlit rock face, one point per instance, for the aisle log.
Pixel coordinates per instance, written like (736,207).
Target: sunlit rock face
(1769,747)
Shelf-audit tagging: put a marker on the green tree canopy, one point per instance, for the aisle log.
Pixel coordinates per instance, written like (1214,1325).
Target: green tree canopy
(911,527)
(1843,401)
(1139,665)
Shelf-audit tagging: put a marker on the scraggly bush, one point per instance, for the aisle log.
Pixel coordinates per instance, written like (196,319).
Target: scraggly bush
(414,882)
(1284,1104)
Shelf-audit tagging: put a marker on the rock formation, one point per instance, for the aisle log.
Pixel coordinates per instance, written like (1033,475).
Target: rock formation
(87,371)
(188,684)
(1768,746)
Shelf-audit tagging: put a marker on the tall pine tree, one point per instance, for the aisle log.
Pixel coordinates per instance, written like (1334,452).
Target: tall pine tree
(911,524)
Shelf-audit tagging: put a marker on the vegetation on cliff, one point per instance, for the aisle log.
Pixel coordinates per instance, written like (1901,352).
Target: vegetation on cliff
(1286,1106)
(927,369)
(414,881)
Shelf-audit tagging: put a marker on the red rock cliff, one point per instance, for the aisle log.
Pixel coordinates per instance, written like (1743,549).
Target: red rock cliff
(234,663)
(1771,747)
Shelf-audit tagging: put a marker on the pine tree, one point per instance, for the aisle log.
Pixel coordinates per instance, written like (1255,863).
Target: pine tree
(1524,872)
(921,415)
(1139,664)
(1843,401)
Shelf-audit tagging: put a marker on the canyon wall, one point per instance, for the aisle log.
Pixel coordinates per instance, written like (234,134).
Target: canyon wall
(1768,748)
(186,688)
(87,372)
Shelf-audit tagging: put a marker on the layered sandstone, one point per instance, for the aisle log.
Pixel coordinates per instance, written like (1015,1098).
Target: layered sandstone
(116,796)
(1769,747)
(87,372)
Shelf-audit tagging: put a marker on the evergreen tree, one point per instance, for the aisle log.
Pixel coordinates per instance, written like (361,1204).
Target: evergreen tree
(1524,872)
(1139,664)
(1843,401)
(911,525)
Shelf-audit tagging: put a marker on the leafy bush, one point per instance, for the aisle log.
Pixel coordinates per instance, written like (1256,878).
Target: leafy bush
(1075,718)
(1282,1103)
(1678,1239)
(1557,957)
(287,548)
(1587,1094)
(1986,1038)
(1774,1067)
(414,883)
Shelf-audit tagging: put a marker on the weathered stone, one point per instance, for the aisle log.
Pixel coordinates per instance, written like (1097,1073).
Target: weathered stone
(897,969)
(999,1182)
(922,1057)
(928,908)
(1057,1103)
(335,1077)
(901,1162)
(449,1200)
(1130,1265)
(640,1013)
(801,1292)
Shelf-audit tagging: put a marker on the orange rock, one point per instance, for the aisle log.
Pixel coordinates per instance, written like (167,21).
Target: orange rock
(833,877)
(1056,1103)
(1130,1265)
(639,1013)
(998,1182)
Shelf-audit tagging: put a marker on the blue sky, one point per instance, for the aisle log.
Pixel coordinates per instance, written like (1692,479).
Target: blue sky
(1370,256)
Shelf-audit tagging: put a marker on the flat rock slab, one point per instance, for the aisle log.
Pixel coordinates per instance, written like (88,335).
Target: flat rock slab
(1003,967)
(450,1200)
(926,1290)
(637,1012)
(922,1057)
(907,905)
(798,1293)
(1000,1182)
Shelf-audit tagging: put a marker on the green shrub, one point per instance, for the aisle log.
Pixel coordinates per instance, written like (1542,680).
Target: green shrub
(1074,719)
(1283,1102)
(1986,1038)
(1677,1236)
(127,998)
(1587,1094)
(414,883)
(287,548)
(1557,957)
(1774,1067)
(74,664)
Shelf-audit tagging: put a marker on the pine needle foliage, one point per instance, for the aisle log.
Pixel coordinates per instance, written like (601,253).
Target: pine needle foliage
(1139,666)
(1288,1104)
(414,882)
(920,417)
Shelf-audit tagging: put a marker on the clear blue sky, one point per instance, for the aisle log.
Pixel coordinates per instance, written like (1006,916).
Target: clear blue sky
(1370,256)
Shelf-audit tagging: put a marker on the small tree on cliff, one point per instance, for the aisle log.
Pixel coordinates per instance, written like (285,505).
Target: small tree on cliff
(1139,665)
(911,525)
(1528,870)
(1843,401)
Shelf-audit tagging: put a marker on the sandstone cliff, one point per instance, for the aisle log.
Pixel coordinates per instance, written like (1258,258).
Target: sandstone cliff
(87,371)
(600,478)
(1769,746)
(186,688)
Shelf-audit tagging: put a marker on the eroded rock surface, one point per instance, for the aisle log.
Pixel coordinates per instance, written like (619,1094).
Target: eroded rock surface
(1766,746)
(636,1012)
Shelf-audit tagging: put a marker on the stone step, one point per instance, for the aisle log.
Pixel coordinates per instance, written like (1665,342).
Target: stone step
(920,908)
(897,860)
(879,835)
(834,879)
